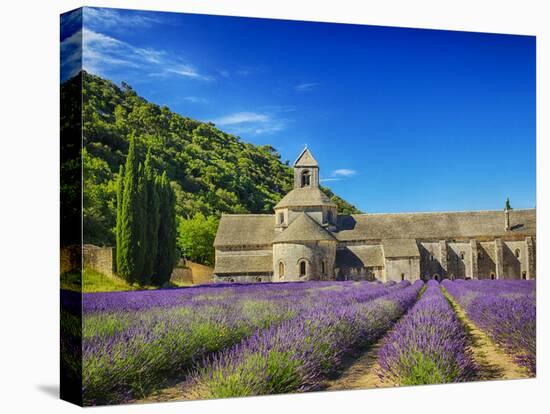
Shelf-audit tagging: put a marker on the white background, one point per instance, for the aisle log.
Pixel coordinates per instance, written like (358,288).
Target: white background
(29,235)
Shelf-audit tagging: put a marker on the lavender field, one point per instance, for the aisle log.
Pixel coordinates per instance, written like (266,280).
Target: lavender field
(234,340)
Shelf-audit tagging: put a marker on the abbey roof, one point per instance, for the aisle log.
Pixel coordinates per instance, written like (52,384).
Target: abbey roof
(400,248)
(306,159)
(258,229)
(360,256)
(245,230)
(444,225)
(249,263)
(305,197)
(303,229)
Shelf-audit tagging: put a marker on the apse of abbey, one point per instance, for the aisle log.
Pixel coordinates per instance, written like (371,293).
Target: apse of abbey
(306,239)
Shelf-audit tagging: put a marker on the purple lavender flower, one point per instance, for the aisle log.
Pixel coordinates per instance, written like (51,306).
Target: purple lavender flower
(298,354)
(504,309)
(135,342)
(428,345)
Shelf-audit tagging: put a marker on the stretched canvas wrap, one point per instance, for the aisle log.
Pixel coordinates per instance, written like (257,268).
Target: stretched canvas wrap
(258,206)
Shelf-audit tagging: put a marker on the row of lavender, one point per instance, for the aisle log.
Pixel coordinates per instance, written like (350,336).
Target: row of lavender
(298,355)
(506,310)
(428,345)
(136,342)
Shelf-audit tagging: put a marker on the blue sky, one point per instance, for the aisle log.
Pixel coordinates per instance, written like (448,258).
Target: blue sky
(399,119)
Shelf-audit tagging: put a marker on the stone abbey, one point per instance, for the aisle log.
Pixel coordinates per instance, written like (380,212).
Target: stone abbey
(306,239)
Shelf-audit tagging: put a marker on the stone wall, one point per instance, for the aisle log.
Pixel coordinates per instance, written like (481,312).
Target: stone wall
(459,263)
(188,272)
(431,260)
(314,253)
(486,260)
(236,278)
(70,259)
(100,259)
(514,266)
(406,268)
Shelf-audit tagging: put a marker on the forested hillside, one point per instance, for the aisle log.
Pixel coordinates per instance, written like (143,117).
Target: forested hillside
(211,172)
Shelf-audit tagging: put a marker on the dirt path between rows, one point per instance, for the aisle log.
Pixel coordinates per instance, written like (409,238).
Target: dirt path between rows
(360,373)
(492,361)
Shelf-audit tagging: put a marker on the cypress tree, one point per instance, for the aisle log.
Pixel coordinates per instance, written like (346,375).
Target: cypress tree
(166,256)
(119,192)
(130,253)
(141,208)
(152,218)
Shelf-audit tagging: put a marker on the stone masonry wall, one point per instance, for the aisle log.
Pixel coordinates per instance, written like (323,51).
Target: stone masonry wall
(100,259)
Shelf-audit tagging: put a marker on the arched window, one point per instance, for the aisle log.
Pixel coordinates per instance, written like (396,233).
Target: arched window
(402,276)
(492,276)
(281,218)
(462,255)
(281,270)
(436,277)
(323,267)
(524,275)
(258,279)
(306,178)
(518,252)
(303,267)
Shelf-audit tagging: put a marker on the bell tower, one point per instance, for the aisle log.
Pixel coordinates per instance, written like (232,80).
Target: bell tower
(306,171)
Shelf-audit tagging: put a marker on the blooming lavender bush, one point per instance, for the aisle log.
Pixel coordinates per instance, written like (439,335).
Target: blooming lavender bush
(428,345)
(298,354)
(506,310)
(135,342)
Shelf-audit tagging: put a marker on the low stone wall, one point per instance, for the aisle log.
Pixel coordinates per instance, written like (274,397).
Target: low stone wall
(191,273)
(100,259)
(70,258)
(244,278)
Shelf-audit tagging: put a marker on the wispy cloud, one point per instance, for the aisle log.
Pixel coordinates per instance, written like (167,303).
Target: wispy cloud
(254,123)
(102,53)
(195,99)
(101,18)
(344,172)
(306,86)
(188,71)
(71,55)
(339,175)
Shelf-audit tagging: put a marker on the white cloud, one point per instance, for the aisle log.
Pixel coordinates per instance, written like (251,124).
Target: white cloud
(195,99)
(242,117)
(71,55)
(101,18)
(344,172)
(323,180)
(306,86)
(102,53)
(253,123)
(187,71)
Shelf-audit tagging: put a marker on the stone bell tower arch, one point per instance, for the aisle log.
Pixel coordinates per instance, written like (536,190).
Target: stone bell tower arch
(306,170)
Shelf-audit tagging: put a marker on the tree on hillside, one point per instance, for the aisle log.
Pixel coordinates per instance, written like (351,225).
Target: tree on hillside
(130,248)
(118,231)
(167,251)
(142,207)
(152,217)
(196,238)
